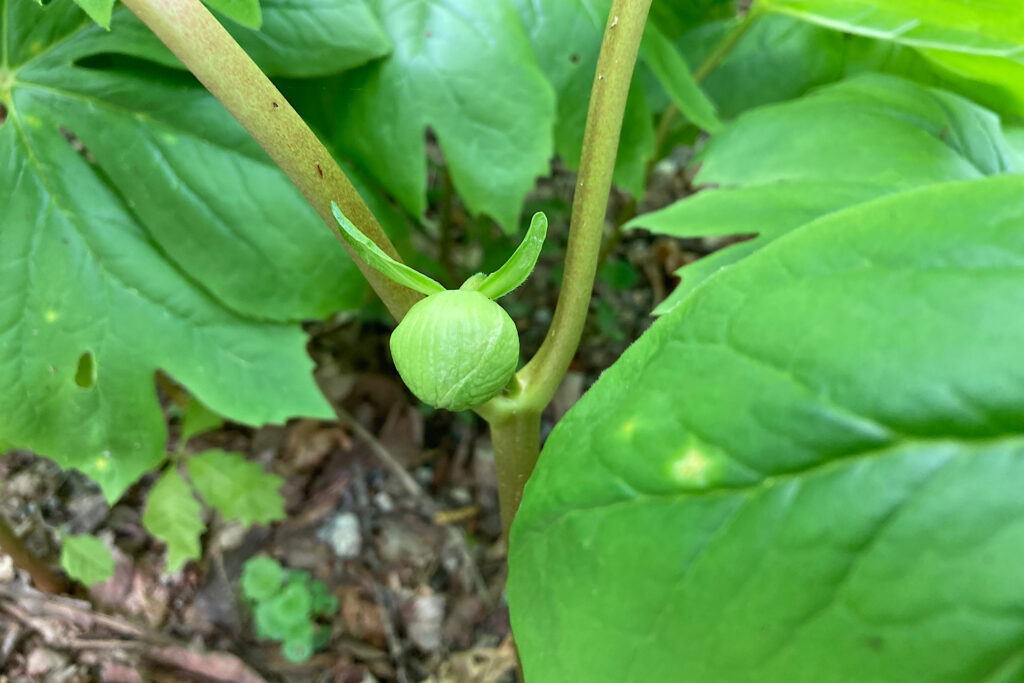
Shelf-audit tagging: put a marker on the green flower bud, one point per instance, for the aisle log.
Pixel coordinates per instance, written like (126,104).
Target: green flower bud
(456,349)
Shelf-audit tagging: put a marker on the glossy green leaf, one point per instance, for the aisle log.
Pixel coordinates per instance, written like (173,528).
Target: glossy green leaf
(764,212)
(994,28)
(809,470)
(441,74)
(781,57)
(145,230)
(237,488)
(883,133)
(520,264)
(879,129)
(98,10)
(980,40)
(245,12)
(674,74)
(174,516)
(86,559)
(368,250)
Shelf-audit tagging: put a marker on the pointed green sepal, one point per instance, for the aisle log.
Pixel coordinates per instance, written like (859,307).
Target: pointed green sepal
(375,257)
(520,264)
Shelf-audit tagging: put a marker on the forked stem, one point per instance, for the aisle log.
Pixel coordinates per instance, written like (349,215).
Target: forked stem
(213,56)
(515,420)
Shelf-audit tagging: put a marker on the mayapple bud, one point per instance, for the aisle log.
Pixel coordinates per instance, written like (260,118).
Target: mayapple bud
(455,349)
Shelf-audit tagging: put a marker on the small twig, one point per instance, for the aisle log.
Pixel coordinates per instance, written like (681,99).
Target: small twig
(384,455)
(33,609)
(44,578)
(387,607)
(425,502)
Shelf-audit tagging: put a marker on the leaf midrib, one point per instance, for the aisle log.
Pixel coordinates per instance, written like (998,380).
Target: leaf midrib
(770,480)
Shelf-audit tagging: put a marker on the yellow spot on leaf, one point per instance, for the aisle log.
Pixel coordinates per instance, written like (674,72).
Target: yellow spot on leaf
(628,428)
(36,47)
(33,121)
(101,464)
(51,316)
(691,467)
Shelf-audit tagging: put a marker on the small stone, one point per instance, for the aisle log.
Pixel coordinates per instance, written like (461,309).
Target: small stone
(383,502)
(6,568)
(43,660)
(424,616)
(342,534)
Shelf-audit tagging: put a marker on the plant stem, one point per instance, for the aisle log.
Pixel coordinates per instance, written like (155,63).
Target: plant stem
(667,118)
(515,417)
(188,29)
(516,441)
(44,578)
(622,35)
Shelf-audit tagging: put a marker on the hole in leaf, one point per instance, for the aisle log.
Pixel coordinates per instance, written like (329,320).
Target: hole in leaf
(85,373)
(3,113)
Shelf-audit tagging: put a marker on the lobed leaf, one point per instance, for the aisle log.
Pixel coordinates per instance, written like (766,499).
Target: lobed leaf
(441,74)
(261,578)
(175,517)
(237,488)
(144,230)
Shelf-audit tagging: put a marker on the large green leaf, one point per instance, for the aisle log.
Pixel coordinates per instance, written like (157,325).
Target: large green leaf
(979,40)
(465,70)
(809,472)
(883,134)
(298,38)
(142,230)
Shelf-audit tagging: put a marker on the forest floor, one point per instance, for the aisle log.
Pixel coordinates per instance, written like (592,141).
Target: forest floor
(393,507)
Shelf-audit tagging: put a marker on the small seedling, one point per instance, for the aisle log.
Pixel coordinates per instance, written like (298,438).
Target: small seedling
(288,605)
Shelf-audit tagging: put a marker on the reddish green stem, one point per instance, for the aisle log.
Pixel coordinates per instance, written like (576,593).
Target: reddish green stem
(213,56)
(515,419)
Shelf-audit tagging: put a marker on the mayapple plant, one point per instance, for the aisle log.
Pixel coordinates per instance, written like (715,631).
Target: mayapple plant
(455,349)
(808,469)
